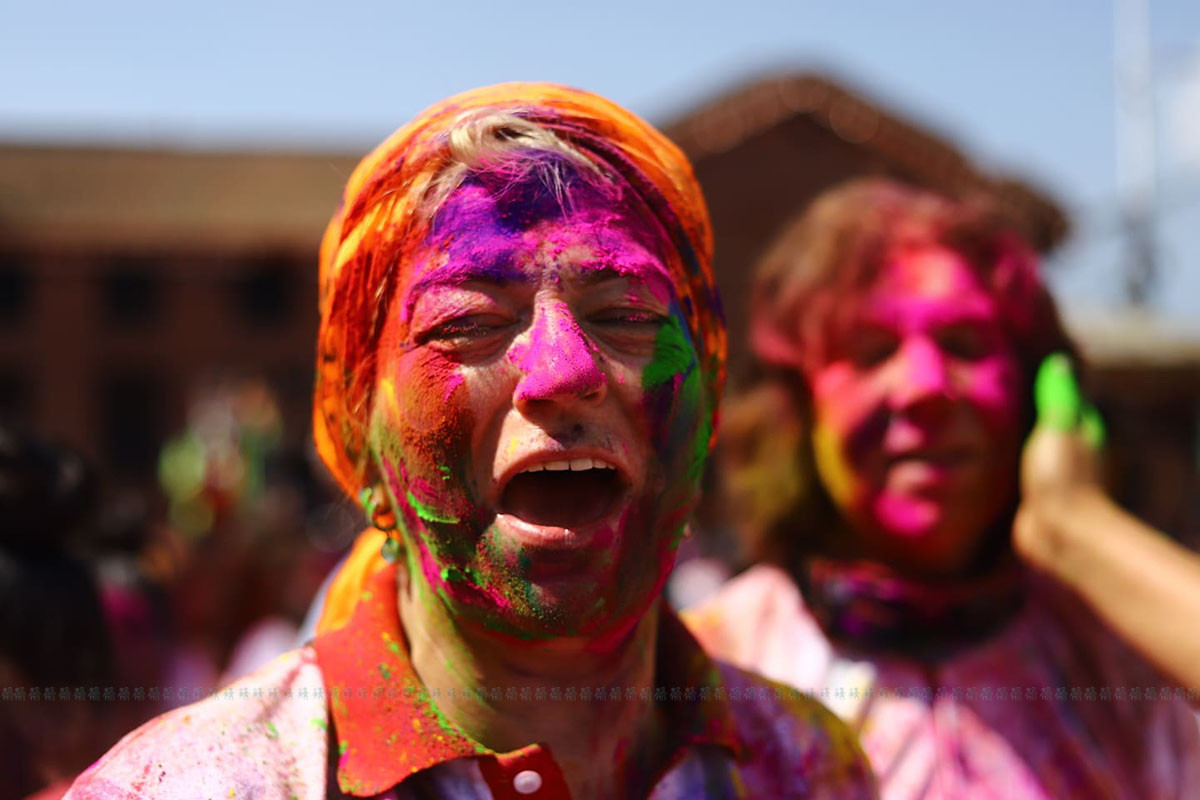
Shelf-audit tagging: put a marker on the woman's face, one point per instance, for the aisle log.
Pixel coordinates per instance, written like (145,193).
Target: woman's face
(539,418)
(918,414)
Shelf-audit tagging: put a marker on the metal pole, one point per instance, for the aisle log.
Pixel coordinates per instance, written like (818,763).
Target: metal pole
(1136,162)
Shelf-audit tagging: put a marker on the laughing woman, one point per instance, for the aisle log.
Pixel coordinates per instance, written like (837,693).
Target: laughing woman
(877,472)
(519,360)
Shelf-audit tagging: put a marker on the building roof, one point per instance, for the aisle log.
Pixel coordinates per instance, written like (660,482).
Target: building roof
(112,198)
(731,119)
(144,198)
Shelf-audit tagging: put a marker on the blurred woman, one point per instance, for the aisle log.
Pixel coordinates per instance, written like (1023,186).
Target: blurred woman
(875,468)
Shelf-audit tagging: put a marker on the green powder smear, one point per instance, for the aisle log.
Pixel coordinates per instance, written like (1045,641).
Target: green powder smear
(673,355)
(426,513)
(674,358)
(455,574)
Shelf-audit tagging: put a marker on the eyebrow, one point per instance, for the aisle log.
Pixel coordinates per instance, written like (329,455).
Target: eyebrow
(496,268)
(595,276)
(642,270)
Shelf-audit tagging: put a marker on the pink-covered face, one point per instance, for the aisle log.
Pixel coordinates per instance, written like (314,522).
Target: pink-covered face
(539,419)
(917,414)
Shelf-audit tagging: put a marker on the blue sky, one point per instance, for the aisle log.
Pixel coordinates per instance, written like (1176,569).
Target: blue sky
(1025,86)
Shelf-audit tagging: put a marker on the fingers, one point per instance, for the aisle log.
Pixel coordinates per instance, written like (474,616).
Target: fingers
(1091,426)
(1056,394)
(1060,404)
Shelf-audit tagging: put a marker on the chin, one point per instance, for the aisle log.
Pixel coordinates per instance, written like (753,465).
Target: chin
(564,618)
(565,606)
(921,536)
(909,518)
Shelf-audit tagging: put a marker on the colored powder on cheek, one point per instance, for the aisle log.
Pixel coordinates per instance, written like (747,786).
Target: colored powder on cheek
(387,393)
(699,454)
(455,381)
(455,574)
(421,423)
(426,512)
(406,517)
(673,357)
(831,465)
(994,389)
(673,395)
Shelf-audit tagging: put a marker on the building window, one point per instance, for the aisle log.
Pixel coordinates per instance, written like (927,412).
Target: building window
(131,425)
(15,286)
(131,292)
(265,293)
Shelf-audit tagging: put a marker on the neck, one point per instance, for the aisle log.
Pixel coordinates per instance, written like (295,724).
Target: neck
(869,604)
(605,749)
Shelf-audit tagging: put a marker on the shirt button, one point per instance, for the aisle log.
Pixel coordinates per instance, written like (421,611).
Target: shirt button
(527,781)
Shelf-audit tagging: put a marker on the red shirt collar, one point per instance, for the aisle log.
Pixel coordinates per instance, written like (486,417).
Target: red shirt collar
(387,727)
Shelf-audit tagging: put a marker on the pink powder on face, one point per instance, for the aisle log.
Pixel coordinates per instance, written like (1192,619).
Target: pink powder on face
(926,373)
(558,358)
(454,381)
(918,412)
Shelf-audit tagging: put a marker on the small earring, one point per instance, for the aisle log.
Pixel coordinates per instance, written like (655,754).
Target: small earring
(390,551)
(381,516)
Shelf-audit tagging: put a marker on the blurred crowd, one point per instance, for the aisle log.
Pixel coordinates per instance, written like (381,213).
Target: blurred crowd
(117,605)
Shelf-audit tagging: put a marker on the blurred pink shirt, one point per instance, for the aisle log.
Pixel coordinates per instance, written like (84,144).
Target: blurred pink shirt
(1045,708)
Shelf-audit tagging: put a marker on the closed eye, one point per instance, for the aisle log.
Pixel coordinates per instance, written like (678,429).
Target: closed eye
(465,329)
(627,316)
(630,330)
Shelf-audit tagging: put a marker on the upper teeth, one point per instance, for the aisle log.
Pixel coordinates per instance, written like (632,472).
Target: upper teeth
(574,465)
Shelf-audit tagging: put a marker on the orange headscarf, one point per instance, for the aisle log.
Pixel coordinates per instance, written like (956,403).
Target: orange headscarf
(381,220)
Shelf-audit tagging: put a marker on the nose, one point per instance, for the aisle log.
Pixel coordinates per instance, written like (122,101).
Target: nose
(922,377)
(560,365)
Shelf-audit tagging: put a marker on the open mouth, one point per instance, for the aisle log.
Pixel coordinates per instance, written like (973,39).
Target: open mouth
(564,494)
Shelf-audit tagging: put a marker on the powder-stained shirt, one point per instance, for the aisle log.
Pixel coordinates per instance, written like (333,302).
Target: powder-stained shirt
(348,717)
(1052,706)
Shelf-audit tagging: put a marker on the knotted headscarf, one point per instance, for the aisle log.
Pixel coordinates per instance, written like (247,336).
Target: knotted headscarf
(382,220)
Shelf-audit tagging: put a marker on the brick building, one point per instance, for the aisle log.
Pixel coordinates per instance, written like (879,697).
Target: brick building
(129,278)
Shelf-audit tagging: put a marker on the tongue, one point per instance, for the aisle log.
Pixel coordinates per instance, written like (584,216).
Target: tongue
(562,499)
